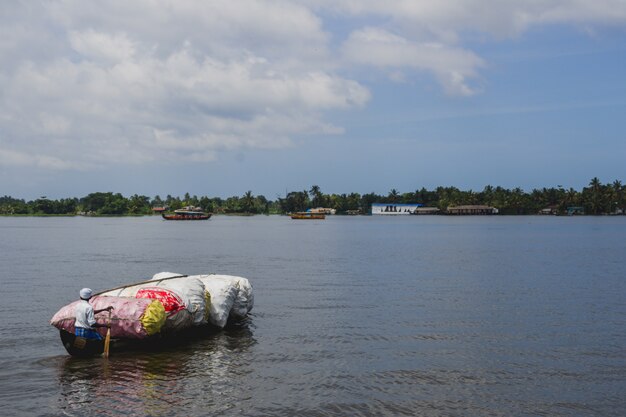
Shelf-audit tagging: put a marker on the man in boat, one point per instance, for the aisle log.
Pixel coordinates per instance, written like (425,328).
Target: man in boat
(85,323)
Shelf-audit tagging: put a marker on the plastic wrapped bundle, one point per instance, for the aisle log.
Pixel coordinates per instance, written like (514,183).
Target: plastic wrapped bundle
(223,295)
(131,318)
(243,299)
(191,289)
(208,298)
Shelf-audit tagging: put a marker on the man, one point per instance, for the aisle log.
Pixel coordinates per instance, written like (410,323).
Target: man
(85,323)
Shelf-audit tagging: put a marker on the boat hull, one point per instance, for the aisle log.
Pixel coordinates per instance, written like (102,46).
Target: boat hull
(89,348)
(186,216)
(308,216)
(81,347)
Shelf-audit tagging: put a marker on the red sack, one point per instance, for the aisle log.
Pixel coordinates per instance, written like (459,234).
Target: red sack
(170,300)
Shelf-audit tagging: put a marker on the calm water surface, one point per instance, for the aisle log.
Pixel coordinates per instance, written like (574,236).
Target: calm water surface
(370,316)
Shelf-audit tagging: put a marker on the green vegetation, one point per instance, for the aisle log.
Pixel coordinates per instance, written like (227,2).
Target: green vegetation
(110,204)
(596,198)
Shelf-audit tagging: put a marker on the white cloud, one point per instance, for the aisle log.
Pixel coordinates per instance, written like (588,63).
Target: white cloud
(428,35)
(54,125)
(137,82)
(84,84)
(34,160)
(453,67)
(282,31)
(110,48)
(447,19)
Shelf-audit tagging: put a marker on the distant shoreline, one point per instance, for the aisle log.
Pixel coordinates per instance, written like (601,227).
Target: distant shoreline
(104,216)
(595,199)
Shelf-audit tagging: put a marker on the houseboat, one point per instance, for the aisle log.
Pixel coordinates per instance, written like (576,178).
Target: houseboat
(307,215)
(471,210)
(426,210)
(187,213)
(323,210)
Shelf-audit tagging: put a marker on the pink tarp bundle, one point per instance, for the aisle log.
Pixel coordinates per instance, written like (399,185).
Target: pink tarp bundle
(188,289)
(131,318)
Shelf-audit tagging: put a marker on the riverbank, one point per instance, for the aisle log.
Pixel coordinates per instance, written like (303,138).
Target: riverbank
(595,199)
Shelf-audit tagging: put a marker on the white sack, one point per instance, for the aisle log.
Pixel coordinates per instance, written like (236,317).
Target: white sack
(244,301)
(223,294)
(163,275)
(191,289)
(178,321)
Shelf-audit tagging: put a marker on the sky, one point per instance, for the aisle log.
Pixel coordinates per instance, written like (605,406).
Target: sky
(158,97)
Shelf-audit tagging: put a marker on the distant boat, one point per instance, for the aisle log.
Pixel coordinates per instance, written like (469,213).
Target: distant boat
(323,210)
(307,215)
(187,213)
(425,210)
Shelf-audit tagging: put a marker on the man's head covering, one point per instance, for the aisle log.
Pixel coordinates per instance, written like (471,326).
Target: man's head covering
(86,293)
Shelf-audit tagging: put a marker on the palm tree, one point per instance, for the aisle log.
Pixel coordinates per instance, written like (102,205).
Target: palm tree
(157,202)
(470,197)
(515,200)
(393,195)
(247,202)
(570,199)
(318,197)
(617,186)
(596,195)
(487,194)
(617,192)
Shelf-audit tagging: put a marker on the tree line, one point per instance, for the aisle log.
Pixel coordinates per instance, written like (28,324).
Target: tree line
(115,204)
(596,198)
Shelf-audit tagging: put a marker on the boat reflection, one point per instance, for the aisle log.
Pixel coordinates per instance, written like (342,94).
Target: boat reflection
(160,381)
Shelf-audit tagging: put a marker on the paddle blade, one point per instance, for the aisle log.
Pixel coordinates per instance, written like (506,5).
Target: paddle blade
(107,339)
(107,342)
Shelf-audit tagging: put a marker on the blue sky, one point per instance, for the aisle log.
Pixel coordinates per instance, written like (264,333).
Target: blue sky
(218,98)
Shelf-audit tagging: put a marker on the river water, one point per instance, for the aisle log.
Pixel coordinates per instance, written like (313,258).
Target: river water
(369,316)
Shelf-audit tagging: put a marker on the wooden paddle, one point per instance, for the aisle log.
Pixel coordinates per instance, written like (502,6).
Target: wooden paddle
(107,339)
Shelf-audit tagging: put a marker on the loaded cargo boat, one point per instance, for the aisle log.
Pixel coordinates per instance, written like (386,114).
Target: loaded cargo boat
(160,309)
(187,213)
(307,215)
